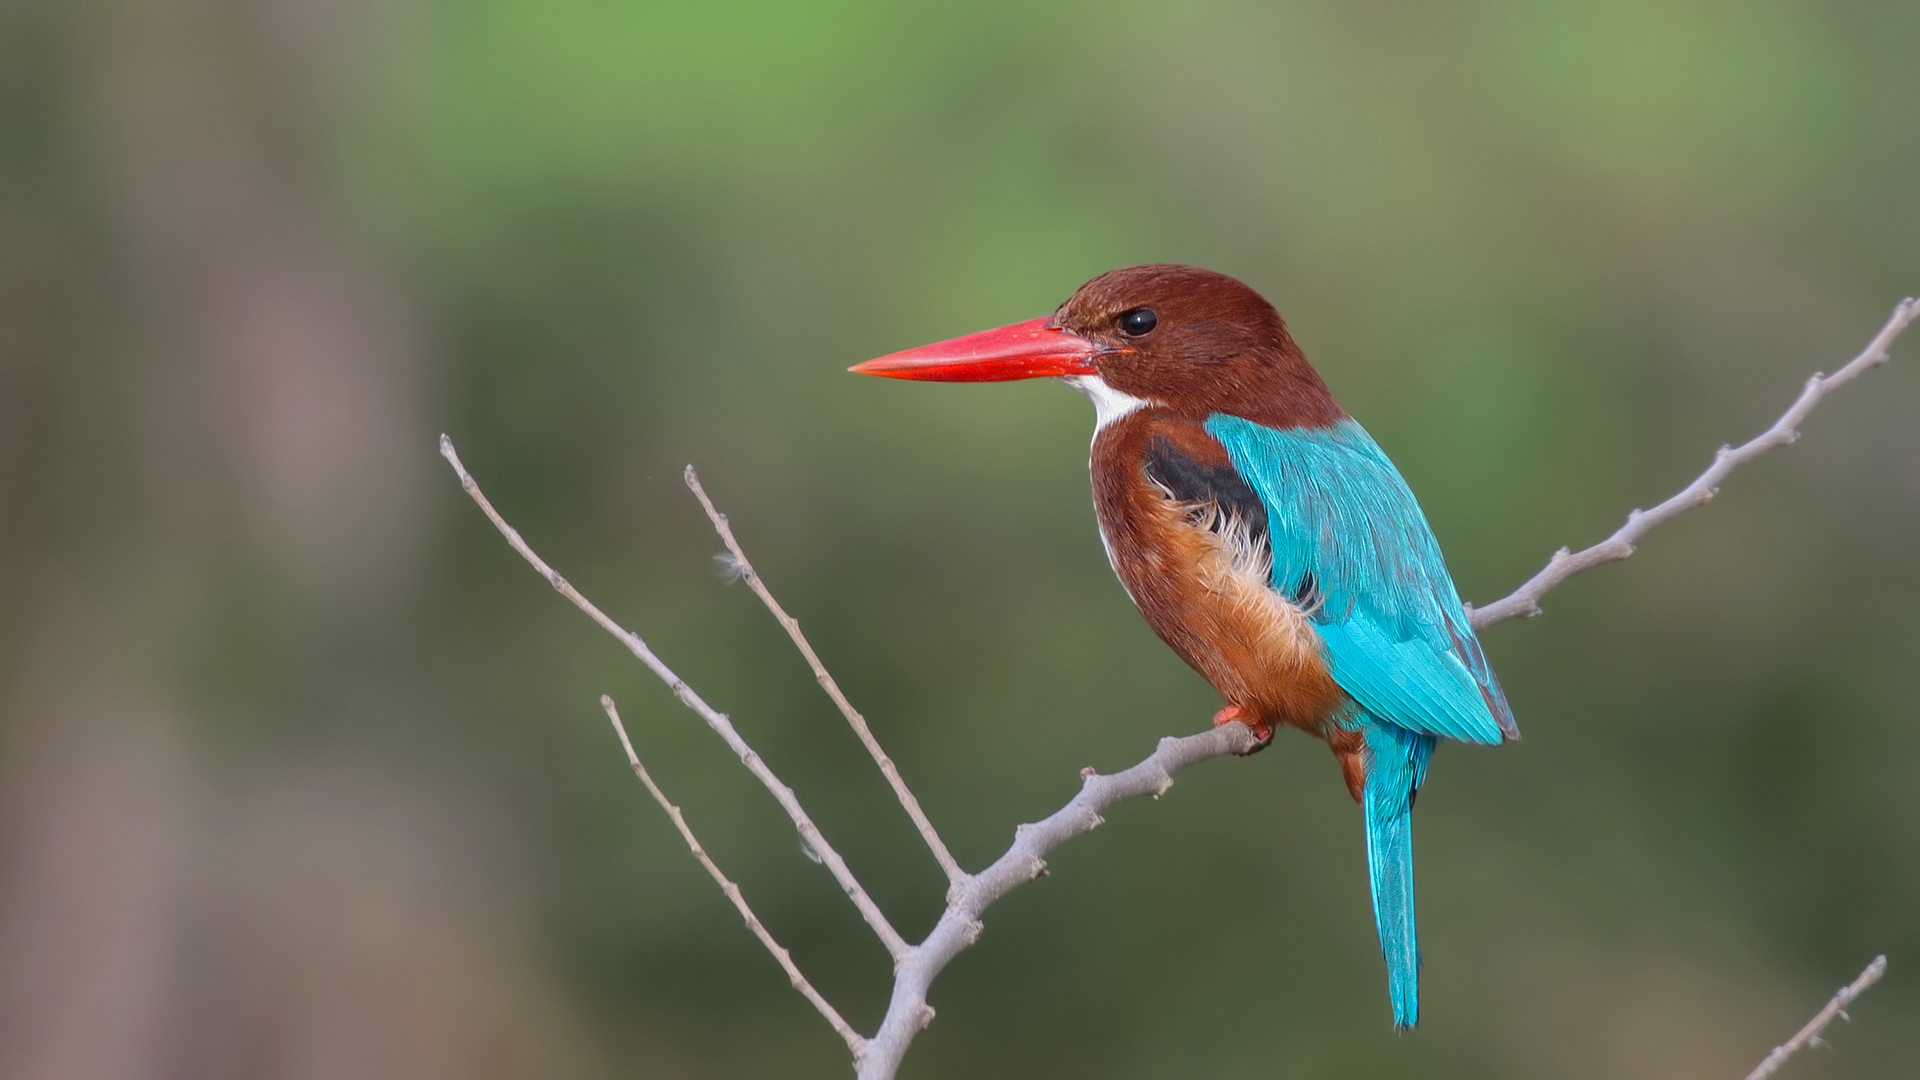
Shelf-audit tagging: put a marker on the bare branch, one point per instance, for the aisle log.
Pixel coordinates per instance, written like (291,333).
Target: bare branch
(854,1040)
(960,926)
(1524,602)
(968,896)
(1811,1033)
(896,946)
(955,875)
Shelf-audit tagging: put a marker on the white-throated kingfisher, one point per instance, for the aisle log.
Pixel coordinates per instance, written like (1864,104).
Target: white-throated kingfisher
(1265,537)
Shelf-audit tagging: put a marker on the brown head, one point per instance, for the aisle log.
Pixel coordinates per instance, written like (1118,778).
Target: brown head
(1188,339)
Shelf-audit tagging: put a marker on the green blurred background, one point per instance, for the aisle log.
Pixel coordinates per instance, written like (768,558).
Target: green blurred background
(303,771)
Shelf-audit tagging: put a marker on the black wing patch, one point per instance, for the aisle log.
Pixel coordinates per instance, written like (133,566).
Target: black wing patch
(1306,594)
(1189,481)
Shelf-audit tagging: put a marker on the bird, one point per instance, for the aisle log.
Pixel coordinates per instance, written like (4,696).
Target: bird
(1266,538)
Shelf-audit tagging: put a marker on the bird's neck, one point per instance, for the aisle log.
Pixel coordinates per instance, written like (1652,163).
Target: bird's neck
(1288,394)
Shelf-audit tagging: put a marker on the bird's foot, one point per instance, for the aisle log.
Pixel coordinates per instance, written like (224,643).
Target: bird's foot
(1233,714)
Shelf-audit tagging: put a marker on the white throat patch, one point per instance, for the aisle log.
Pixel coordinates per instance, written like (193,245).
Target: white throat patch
(1108,404)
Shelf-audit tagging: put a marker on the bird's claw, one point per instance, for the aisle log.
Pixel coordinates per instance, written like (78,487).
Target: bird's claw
(1235,714)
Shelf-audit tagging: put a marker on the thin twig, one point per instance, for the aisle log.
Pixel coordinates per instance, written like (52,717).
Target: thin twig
(1524,602)
(955,875)
(855,1041)
(896,946)
(960,926)
(1811,1033)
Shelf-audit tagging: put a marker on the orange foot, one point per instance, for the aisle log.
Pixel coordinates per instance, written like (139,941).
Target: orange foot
(1238,714)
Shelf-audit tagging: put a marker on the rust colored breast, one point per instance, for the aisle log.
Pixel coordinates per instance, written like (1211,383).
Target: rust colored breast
(1194,557)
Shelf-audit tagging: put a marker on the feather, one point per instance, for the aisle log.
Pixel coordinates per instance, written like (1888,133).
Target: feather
(1396,762)
(1342,523)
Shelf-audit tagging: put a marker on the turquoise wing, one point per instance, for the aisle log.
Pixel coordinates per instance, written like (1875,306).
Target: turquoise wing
(1350,543)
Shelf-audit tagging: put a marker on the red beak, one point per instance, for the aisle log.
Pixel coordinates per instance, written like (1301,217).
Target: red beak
(1025,350)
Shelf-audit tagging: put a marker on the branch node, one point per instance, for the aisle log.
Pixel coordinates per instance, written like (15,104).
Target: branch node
(1810,1034)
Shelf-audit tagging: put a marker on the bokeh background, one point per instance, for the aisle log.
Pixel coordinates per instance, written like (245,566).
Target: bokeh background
(302,772)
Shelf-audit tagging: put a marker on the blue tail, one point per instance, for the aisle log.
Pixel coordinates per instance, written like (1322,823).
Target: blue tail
(1397,762)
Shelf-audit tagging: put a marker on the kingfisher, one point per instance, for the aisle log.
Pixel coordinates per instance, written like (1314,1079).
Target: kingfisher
(1265,537)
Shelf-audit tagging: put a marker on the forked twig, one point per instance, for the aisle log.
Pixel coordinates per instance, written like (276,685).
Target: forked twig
(955,875)
(959,926)
(1811,1033)
(855,1041)
(896,946)
(915,966)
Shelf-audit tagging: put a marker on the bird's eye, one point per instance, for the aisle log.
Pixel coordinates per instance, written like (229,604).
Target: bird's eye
(1139,322)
